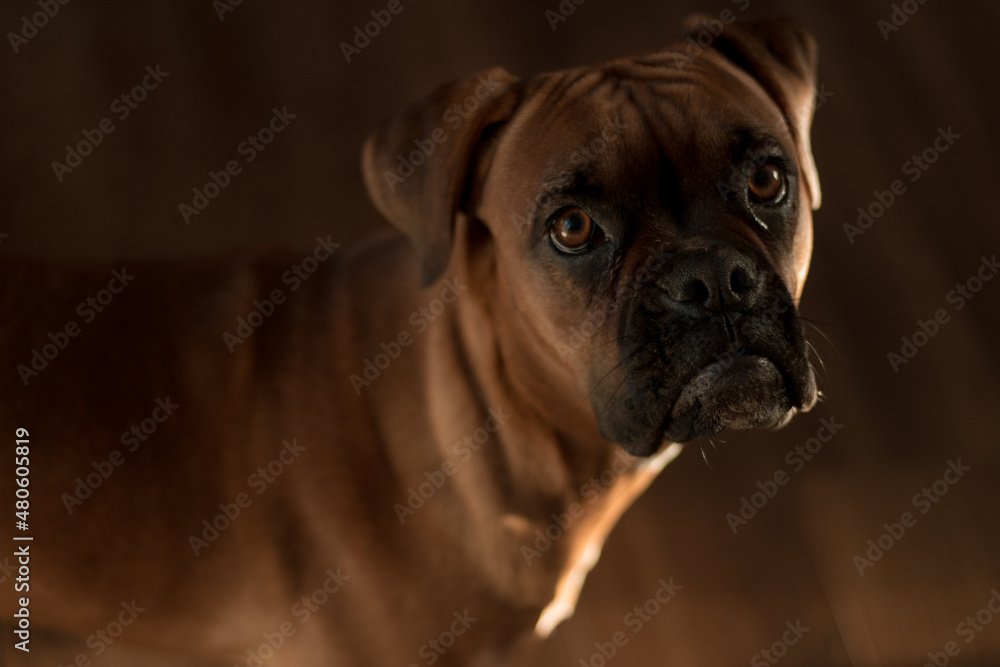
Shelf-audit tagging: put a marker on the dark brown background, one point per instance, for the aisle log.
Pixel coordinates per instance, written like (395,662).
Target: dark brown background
(794,560)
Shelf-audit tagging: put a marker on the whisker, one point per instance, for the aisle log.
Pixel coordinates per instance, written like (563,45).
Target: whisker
(701,446)
(613,369)
(818,358)
(612,398)
(822,333)
(613,340)
(813,321)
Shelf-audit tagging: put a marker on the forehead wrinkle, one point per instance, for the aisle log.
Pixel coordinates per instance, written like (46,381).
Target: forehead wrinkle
(670,73)
(668,119)
(560,180)
(675,111)
(585,86)
(566,185)
(588,122)
(666,66)
(564,93)
(683,155)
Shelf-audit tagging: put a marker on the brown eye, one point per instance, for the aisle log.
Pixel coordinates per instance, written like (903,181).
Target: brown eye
(767,183)
(572,230)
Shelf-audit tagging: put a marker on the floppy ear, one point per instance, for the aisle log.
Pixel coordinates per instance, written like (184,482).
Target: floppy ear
(419,164)
(782,57)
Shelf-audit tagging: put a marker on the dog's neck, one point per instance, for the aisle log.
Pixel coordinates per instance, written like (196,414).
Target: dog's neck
(589,543)
(557,488)
(527,512)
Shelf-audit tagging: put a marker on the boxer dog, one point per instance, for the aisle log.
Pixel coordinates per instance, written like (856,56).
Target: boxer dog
(410,453)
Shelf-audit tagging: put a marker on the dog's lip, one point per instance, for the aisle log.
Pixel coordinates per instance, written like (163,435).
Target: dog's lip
(691,399)
(717,370)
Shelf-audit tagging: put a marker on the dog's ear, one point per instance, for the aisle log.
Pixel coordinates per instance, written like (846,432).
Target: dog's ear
(419,165)
(782,57)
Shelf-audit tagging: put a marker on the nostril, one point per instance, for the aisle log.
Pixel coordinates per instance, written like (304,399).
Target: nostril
(740,281)
(698,292)
(716,279)
(688,291)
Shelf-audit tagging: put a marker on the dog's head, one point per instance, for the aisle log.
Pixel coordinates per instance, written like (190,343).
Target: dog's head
(651,217)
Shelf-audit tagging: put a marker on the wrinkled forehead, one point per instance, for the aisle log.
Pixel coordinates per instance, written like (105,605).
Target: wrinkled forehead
(635,114)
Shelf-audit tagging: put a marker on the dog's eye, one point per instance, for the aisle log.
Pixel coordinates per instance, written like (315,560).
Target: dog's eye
(572,230)
(767,183)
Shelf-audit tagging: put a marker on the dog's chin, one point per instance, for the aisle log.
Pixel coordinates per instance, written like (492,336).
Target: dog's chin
(750,393)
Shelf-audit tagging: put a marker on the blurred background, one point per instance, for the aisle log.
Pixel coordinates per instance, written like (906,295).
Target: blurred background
(908,93)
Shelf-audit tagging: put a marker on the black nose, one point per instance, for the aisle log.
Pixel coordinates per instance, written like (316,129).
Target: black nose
(712,280)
